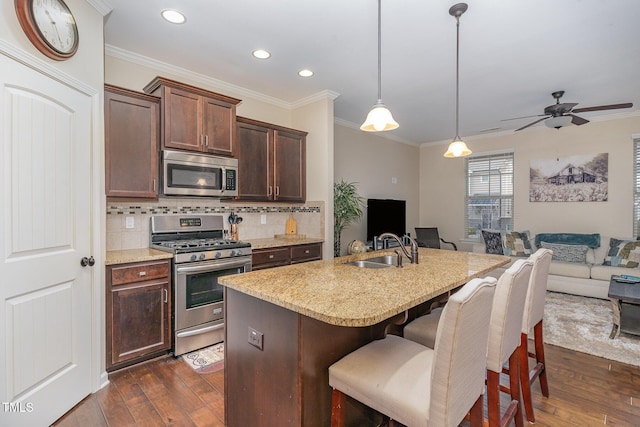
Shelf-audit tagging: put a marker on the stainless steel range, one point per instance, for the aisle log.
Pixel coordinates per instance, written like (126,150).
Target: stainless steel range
(201,256)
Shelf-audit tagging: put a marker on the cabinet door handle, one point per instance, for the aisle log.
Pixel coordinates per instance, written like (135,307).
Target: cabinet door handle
(270,256)
(277,190)
(202,140)
(270,191)
(206,140)
(154,184)
(307,251)
(142,273)
(166,295)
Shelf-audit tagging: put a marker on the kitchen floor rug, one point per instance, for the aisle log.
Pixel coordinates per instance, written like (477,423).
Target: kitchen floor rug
(583,324)
(206,360)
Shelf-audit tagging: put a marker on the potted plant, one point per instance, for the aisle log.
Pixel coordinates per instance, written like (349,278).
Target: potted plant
(347,209)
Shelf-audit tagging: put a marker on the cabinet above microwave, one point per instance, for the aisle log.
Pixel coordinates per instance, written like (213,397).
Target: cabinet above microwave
(195,119)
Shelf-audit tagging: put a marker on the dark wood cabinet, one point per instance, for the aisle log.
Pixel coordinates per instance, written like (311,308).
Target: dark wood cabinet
(271,162)
(138,309)
(132,134)
(286,255)
(195,119)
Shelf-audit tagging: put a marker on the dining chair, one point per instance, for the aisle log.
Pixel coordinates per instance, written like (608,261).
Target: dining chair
(428,237)
(532,320)
(504,339)
(416,385)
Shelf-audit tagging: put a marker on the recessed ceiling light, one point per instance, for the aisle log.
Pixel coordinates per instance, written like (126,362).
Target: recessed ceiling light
(261,54)
(305,73)
(173,16)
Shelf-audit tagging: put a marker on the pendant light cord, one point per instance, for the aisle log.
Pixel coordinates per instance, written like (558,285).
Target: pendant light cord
(457,75)
(379,51)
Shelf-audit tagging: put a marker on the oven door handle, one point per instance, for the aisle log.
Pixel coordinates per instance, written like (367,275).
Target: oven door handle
(199,331)
(207,266)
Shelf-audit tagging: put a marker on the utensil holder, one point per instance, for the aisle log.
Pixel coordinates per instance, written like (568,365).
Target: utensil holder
(233,231)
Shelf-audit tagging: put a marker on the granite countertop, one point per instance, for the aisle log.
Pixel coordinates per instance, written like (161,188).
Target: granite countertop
(346,295)
(277,241)
(135,255)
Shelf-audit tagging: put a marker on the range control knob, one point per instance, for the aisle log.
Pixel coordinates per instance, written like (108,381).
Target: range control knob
(193,257)
(239,252)
(202,256)
(233,253)
(218,255)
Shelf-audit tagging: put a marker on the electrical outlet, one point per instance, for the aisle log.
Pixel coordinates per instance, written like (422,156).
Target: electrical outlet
(255,338)
(394,180)
(129,222)
(263,219)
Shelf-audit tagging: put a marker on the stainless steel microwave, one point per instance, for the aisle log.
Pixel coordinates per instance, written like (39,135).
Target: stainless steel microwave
(195,174)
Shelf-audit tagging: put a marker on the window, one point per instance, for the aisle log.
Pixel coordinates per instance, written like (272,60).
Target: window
(489,196)
(636,187)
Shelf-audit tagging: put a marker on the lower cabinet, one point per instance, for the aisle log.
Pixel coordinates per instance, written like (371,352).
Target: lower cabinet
(138,309)
(276,257)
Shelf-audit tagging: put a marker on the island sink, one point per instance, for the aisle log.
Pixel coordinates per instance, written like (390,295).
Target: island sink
(378,262)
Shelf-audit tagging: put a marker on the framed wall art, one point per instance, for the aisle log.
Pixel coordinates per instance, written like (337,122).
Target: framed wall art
(580,178)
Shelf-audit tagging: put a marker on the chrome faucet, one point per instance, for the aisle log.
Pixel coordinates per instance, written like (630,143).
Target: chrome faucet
(414,248)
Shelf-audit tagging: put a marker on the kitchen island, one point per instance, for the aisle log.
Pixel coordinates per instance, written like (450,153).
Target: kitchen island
(285,326)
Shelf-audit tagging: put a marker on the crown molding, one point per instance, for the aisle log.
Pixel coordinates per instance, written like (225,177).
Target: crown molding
(221,85)
(318,96)
(601,118)
(101,6)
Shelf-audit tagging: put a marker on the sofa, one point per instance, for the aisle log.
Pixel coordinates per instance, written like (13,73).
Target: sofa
(582,263)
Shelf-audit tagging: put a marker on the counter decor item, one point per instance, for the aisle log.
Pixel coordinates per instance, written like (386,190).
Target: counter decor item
(290,226)
(347,209)
(357,247)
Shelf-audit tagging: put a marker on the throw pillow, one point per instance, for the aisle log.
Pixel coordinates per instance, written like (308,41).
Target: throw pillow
(492,241)
(567,253)
(623,253)
(517,243)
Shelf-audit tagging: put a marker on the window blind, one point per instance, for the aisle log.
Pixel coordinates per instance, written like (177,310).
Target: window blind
(636,187)
(489,194)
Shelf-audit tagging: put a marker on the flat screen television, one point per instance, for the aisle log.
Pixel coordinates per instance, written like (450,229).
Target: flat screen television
(386,215)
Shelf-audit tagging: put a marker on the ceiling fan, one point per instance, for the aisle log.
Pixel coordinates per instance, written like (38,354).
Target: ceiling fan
(561,114)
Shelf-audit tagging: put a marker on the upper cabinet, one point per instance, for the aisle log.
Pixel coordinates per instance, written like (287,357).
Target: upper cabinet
(195,119)
(132,132)
(271,162)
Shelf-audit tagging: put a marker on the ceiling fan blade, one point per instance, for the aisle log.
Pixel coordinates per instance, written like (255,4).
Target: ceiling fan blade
(523,117)
(603,107)
(578,120)
(532,123)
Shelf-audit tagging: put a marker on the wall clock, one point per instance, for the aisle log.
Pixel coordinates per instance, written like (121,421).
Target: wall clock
(50,26)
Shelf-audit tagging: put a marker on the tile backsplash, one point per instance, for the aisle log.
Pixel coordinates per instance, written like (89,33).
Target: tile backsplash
(309,218)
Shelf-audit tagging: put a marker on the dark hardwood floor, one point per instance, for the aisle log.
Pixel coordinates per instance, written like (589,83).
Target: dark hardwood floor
(584,391)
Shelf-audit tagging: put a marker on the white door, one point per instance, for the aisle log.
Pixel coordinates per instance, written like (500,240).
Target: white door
(45,220)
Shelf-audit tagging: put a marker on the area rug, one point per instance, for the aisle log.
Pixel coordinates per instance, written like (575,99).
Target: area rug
(206,360)
(583,324)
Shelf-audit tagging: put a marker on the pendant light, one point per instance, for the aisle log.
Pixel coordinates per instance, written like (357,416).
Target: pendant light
(457,148)
(379,118)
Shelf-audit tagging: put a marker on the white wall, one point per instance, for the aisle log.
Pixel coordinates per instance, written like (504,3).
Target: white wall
(372,161)
(442,181)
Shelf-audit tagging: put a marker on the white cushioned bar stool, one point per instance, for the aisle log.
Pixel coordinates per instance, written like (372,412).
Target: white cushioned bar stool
(504,339)
(416,385)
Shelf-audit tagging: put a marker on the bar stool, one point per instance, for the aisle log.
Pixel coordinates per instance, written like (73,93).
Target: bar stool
(504,339)
(532,320)
(416,385)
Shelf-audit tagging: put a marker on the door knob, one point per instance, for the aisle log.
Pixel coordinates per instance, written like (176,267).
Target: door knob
(87,261)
